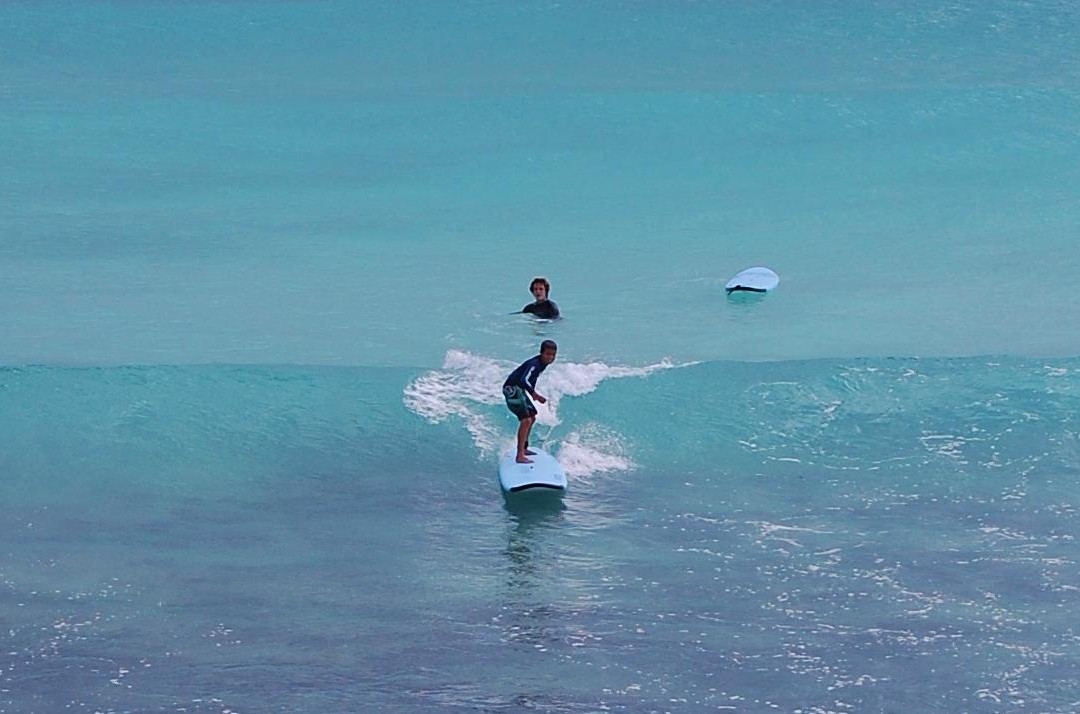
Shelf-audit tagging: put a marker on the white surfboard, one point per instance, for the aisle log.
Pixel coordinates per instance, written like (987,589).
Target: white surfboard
(543,473)
(755,280)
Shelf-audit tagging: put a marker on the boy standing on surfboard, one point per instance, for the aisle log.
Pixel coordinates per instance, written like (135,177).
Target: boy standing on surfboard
(518,387)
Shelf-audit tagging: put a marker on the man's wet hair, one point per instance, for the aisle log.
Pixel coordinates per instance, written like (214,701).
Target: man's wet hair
(548,345)
(543,281)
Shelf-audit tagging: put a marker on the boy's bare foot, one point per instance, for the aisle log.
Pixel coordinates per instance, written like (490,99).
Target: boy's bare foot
(522,459)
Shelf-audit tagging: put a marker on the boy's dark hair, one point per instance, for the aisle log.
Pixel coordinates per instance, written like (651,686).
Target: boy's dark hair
(548,345)
(543,281)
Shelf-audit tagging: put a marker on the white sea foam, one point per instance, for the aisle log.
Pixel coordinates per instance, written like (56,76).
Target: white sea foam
(593,449)
(465,381)
(468,386)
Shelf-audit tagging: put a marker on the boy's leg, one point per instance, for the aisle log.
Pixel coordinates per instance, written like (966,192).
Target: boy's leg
(522,437)
(532,422)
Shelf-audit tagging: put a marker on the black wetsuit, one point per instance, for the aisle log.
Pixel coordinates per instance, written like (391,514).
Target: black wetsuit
(544,309)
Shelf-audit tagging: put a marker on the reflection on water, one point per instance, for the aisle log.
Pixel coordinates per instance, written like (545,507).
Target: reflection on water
(555,582)
(531,607)
(532,514)
(541,327)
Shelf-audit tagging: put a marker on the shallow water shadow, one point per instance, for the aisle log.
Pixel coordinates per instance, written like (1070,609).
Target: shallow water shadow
(745,297)
(533,507)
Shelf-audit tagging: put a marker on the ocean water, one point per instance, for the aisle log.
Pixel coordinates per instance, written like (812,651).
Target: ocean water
(258,264)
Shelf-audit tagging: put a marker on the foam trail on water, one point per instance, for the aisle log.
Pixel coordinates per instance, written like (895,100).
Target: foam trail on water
(593,449)
(469,385)
(574,380)
(464,381)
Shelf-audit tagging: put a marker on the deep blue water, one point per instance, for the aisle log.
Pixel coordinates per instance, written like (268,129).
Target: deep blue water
(819,536)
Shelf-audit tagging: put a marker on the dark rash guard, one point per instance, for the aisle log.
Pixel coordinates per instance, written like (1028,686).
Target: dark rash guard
(544,309)
(526,374)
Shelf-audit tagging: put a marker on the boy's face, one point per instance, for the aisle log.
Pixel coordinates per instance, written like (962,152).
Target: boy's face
(539,291)
(547,356)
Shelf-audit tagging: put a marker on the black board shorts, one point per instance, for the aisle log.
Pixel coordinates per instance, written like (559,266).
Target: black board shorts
(518,402)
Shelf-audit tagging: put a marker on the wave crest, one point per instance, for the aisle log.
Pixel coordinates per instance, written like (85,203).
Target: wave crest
(469,387)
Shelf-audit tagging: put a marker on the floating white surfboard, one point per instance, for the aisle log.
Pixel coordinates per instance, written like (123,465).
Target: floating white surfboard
(755,280)
(543,473)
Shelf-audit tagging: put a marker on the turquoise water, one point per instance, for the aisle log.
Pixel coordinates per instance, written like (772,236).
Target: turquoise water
(257,261)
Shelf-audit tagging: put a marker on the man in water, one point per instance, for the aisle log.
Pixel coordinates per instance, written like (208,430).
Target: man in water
(518,387)
(542,308)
